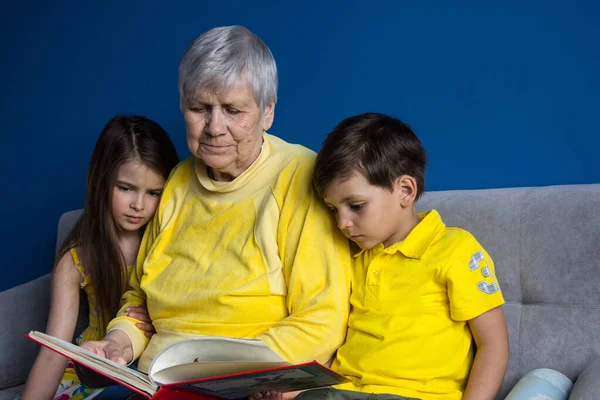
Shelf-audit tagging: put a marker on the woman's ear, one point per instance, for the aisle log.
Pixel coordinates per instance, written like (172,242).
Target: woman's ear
(268,116)
(406,188)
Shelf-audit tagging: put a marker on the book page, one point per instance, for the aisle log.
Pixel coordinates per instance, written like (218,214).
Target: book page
(211,356)
(99,364)
(197,370)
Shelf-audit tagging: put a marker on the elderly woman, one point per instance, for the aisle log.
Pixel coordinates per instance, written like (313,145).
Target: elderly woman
(241,246)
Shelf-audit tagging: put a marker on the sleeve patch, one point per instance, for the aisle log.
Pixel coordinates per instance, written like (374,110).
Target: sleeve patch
(485,271)
(478,262)
(475,259)
(484,287)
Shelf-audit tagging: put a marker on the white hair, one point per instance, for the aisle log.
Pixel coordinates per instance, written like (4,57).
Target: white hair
(221,58)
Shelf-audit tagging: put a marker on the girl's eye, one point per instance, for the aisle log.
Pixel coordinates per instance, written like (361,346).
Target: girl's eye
(357,207)
(155,194)
(124,188)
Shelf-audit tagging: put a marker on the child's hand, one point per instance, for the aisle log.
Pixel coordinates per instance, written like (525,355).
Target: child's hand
(141,314)
(111,349)
(274,395)
(268,395)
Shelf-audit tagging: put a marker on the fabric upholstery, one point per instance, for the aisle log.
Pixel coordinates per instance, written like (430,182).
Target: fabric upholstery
(587,386)
(545,243)
(25,308)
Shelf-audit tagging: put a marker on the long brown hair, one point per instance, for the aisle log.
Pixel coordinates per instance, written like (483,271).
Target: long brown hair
(96,233)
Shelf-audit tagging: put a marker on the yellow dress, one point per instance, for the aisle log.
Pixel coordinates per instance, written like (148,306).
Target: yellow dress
(70,388)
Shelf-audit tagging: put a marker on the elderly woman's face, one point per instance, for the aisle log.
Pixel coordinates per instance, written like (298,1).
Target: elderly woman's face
(225,128)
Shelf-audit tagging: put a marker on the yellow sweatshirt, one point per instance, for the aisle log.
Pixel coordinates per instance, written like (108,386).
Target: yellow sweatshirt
(259,257)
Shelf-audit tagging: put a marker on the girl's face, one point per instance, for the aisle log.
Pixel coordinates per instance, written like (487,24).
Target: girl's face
(136,195)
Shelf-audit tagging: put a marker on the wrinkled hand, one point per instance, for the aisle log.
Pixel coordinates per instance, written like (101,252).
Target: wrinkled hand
(141,314)
(268,395)
(111,349)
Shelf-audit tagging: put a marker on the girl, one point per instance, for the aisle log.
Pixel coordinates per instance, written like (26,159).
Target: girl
(131,161)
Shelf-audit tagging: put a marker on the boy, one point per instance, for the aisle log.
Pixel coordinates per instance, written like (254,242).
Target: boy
(421,292)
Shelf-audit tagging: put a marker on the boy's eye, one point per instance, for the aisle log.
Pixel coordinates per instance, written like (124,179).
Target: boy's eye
(155,193)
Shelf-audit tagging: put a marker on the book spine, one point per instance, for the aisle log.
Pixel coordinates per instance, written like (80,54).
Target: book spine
(174,393)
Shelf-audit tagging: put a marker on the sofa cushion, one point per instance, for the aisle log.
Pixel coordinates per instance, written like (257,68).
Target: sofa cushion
(23,308)
(587,386)
(544,242)
(11,393)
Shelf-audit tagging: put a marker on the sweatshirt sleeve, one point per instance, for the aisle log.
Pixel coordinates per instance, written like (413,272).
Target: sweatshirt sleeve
(316,264)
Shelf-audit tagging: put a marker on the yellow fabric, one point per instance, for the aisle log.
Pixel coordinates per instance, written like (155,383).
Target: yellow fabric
(407,331)
(258,257)
(92,332)
(69,386)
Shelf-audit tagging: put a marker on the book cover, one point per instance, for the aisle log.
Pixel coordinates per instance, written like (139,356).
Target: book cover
(204,367)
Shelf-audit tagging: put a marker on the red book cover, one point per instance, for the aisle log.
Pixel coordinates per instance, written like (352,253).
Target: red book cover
(204,368)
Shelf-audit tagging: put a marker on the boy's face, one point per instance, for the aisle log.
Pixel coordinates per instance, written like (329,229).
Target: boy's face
(369,215)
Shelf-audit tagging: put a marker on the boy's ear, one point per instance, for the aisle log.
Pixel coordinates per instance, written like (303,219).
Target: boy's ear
(406,187)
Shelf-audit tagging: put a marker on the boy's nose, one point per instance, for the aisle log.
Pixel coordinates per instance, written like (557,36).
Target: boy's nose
(343,222)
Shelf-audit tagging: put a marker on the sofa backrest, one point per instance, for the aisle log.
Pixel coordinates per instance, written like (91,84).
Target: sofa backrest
(24,308)
(65,224)
(545,243)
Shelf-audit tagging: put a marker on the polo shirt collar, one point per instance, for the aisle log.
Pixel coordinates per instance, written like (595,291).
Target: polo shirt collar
(418,240)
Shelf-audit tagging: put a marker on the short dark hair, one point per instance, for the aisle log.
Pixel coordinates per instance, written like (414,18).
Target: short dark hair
(379,147)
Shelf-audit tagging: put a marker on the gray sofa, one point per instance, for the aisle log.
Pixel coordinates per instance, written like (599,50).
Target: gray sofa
(546,246)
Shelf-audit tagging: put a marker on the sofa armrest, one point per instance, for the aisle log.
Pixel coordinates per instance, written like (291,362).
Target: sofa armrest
(587,385)
(22,309)
(25,308)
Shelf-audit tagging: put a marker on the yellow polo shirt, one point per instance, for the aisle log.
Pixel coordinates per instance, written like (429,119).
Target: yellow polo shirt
(410,304)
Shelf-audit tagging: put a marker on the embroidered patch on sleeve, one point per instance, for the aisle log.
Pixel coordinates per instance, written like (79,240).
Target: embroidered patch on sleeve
(478,262)
(488,288)
(475,258)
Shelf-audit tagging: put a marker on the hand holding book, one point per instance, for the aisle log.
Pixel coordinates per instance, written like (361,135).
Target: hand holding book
(201,367)
(275,395)
(116,346)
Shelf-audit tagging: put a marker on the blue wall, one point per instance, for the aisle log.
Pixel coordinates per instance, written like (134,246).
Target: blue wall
(501,95)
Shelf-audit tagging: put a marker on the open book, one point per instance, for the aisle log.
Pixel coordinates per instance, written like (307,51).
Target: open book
(204,367)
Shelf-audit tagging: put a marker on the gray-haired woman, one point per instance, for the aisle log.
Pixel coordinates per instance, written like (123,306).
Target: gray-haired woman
(241,246)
